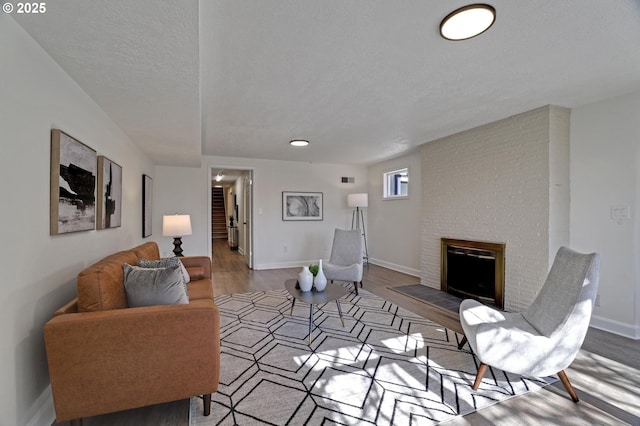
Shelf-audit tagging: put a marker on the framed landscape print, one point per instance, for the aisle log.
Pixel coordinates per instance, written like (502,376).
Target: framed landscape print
(147,198)
(301,205)
(109,212)
(73,185)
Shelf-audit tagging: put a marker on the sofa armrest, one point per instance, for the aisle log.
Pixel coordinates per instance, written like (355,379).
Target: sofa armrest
(70,307)
(107,361)
(199,267)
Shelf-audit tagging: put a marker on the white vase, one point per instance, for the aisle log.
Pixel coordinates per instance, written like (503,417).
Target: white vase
(320,281)
(305,279)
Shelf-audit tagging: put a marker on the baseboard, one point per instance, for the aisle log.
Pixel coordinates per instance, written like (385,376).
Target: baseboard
(301,263)
(45,414)
(284,265)
(396,267)
(616,327)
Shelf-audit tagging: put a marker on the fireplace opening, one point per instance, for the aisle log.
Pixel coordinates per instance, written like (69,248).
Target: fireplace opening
(473,269)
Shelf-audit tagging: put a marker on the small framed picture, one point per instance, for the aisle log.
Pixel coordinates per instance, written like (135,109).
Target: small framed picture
(147,204)
(301,205)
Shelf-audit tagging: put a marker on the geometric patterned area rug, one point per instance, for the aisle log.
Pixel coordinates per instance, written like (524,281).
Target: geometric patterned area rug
(387,366)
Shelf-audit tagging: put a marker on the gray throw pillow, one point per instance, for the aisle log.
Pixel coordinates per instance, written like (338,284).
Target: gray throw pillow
(154,286)
(165,263)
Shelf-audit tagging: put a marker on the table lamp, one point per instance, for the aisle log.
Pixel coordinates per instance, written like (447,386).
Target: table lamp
(176,226)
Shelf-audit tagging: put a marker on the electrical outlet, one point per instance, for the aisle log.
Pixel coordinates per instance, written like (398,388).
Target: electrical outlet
(285,248)
(598,300)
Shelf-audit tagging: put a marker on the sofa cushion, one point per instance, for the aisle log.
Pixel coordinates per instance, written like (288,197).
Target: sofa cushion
(165,263)
(154,286)
(147,251)
(100,286)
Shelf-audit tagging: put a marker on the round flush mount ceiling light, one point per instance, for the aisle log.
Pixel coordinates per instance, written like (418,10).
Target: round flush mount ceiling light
(467,22)
(299,142)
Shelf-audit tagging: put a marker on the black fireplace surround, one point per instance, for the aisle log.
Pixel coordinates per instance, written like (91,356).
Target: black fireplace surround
(473,269)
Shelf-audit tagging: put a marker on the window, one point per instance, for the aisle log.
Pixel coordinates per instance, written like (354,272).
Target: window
(396,184)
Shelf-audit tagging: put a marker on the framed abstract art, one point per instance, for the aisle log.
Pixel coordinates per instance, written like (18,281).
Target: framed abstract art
(147,204)
(109,211)
(301,205)
(72,185)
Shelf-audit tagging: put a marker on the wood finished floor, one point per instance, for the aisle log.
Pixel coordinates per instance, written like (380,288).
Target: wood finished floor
(606,373)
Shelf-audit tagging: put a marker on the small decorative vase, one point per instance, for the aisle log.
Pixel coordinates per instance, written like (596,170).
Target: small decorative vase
(320,281)
(305,279)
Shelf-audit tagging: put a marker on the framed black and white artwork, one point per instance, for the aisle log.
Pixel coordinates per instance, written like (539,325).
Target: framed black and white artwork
(301,205)
(73,185)
(109,194)
(147,204)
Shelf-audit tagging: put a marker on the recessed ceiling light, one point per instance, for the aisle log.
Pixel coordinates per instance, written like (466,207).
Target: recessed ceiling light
(467,22)
(299,142)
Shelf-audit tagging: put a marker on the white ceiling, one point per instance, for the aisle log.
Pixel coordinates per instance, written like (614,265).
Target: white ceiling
(363,80)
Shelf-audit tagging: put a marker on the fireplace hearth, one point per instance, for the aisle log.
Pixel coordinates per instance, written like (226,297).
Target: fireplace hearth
(473,269)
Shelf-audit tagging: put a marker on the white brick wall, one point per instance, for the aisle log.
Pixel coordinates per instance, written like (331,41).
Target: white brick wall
(492,183)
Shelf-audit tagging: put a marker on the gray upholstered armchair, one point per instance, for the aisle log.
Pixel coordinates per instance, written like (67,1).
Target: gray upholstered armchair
(544,339)
(345,263)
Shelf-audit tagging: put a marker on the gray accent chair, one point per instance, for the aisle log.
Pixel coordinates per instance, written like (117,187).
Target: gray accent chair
(345,263)
(545,339)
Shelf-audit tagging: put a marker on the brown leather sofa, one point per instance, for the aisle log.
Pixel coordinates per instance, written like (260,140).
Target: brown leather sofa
(105,357)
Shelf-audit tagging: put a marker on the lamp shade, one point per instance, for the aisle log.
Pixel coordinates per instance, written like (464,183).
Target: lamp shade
(176,225)
(358,200)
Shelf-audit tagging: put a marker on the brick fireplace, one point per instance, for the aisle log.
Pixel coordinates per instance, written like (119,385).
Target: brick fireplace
(506,181)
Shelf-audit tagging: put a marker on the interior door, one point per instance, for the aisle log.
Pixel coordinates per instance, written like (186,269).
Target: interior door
(247,218)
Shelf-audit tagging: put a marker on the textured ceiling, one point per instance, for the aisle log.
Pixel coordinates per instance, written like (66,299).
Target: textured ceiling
(138,60)
(363,80)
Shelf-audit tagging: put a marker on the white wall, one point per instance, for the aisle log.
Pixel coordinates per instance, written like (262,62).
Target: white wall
(39,270)
(277,244)
(493,183)
(182,190)
(393,226)
(605,137)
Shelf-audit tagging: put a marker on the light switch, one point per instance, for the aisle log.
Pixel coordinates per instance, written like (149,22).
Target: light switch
(259,210)
(620,212)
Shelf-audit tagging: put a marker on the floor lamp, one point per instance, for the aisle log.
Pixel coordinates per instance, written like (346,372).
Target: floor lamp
(359,201)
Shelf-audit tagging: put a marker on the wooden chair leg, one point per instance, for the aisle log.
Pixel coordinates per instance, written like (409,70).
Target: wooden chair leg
(567,385)
(479,375)
(355,285)
(207,404)
(75,422)
(462,342)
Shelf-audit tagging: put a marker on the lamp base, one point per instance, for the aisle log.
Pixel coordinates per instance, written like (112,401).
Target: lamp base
(177,244)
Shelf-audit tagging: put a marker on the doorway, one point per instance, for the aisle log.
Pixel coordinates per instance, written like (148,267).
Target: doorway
(230,206)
